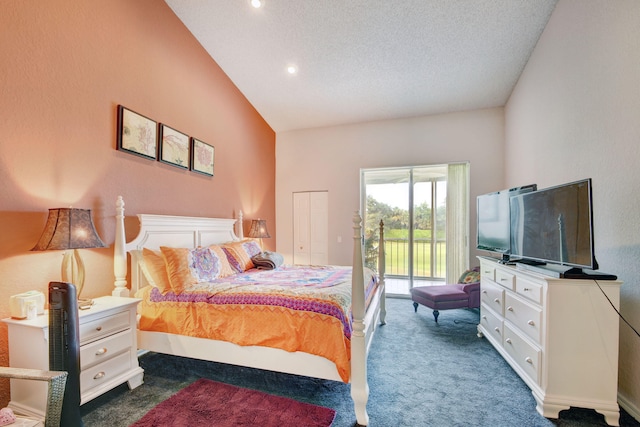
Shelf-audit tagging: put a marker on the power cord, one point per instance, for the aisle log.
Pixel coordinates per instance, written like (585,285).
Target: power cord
(616,310)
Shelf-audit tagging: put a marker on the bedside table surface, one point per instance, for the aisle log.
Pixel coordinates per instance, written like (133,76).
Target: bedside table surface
(100,304)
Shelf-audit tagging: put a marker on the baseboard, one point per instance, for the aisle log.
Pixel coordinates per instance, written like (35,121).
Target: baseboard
(629,406)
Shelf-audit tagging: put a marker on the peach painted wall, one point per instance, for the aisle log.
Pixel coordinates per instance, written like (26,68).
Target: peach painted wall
(66,65)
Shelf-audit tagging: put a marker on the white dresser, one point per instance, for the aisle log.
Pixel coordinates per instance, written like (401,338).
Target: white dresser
(559,335)
(108,353)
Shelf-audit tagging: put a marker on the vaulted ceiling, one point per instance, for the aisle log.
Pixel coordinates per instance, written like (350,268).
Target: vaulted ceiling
(360,61)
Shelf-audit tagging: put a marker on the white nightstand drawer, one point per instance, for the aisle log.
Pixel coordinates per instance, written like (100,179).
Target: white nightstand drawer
(104,349)
(526,355)
(104,372)
(96,329)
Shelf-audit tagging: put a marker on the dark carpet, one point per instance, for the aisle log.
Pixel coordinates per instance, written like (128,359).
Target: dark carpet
(207,402)
(420,374)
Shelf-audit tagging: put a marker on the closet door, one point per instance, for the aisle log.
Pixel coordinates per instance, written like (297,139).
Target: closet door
(311,227)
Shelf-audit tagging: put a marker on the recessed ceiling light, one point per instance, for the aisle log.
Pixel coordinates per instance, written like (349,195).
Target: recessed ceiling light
(257,3)
(292,69)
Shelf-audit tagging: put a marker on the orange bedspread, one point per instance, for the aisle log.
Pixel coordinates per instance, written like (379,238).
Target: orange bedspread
(293,308)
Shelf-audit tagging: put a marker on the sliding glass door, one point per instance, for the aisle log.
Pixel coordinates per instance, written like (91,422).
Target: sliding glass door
(412,203)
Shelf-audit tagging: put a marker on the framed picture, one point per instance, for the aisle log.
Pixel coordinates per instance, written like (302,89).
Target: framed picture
(137,134)
(174,147)
(202,155)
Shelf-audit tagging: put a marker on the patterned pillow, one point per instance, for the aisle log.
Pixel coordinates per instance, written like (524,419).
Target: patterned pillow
(186,267)
(155,270)
(470,276)
(240,253)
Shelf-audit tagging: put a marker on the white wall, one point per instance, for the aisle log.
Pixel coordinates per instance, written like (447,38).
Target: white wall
(331,158)
(575,113)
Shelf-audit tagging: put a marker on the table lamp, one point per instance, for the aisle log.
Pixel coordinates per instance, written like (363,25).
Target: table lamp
(70,228)
(258,230)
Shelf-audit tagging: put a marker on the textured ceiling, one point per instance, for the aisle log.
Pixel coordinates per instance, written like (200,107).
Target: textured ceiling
(370,60)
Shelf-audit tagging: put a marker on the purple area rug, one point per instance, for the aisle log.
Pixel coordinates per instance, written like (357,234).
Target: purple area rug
(211,403)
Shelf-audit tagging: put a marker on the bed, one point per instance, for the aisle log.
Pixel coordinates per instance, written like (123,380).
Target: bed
(161,231)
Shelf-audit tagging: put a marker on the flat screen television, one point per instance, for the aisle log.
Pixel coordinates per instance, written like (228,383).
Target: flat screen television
(555,225)
(493,220)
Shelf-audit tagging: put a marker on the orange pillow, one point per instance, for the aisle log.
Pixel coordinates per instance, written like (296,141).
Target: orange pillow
(186,267)
(240,253)
(155,270)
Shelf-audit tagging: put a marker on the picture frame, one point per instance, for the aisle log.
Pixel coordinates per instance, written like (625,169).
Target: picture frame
(174,147)
(202,157)
(136,134)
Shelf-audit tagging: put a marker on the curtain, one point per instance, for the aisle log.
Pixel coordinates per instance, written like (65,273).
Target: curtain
(457,220)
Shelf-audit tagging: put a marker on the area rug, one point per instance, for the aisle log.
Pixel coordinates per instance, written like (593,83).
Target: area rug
(211,403)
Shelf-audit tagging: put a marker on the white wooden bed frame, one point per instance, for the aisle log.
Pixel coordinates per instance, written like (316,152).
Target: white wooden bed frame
(178,231)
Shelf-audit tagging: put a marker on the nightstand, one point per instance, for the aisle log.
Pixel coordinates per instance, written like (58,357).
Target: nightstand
(108,353)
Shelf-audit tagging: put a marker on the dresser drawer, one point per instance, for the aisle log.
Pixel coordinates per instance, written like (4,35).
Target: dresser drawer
(104,372)
(492,295)
(526,355)
(101,350)
(102,327)
(491,323)
(530,290)
(487,271)
(506,279)
(524,315)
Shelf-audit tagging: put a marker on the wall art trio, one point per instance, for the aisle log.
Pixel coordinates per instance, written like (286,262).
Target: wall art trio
(144,137)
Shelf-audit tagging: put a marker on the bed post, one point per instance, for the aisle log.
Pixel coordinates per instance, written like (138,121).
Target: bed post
(382,268)
(359,385)
(240,227)
(119,254)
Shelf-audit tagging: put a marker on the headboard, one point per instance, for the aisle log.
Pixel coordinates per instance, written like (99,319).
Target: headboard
(164,230)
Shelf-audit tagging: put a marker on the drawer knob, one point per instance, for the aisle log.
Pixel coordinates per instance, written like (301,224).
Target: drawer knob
(508,340)
(531,323)
(496,329)
(99,375)
(496,300)
(99,328)
(510,308)
(484,317)
(484,292)
(102,351)
(528,360)
(526,289)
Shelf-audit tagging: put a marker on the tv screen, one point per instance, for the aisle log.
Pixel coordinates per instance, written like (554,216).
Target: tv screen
(554,225)
(493,220)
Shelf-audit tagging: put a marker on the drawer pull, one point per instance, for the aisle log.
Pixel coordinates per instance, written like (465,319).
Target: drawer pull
(99,375)
(99,328)
(496,329)
(484,292)
(496,300)
(510,308)
(526,289)
(102,351)
(503,279)
(508,340)
(531,323)
(528,360)
(484,317)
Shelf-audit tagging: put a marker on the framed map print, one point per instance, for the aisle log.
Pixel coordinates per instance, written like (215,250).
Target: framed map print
(174,147)
(136,134)
(202,155)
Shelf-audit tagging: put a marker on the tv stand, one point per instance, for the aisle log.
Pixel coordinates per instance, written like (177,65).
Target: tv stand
(559,335)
